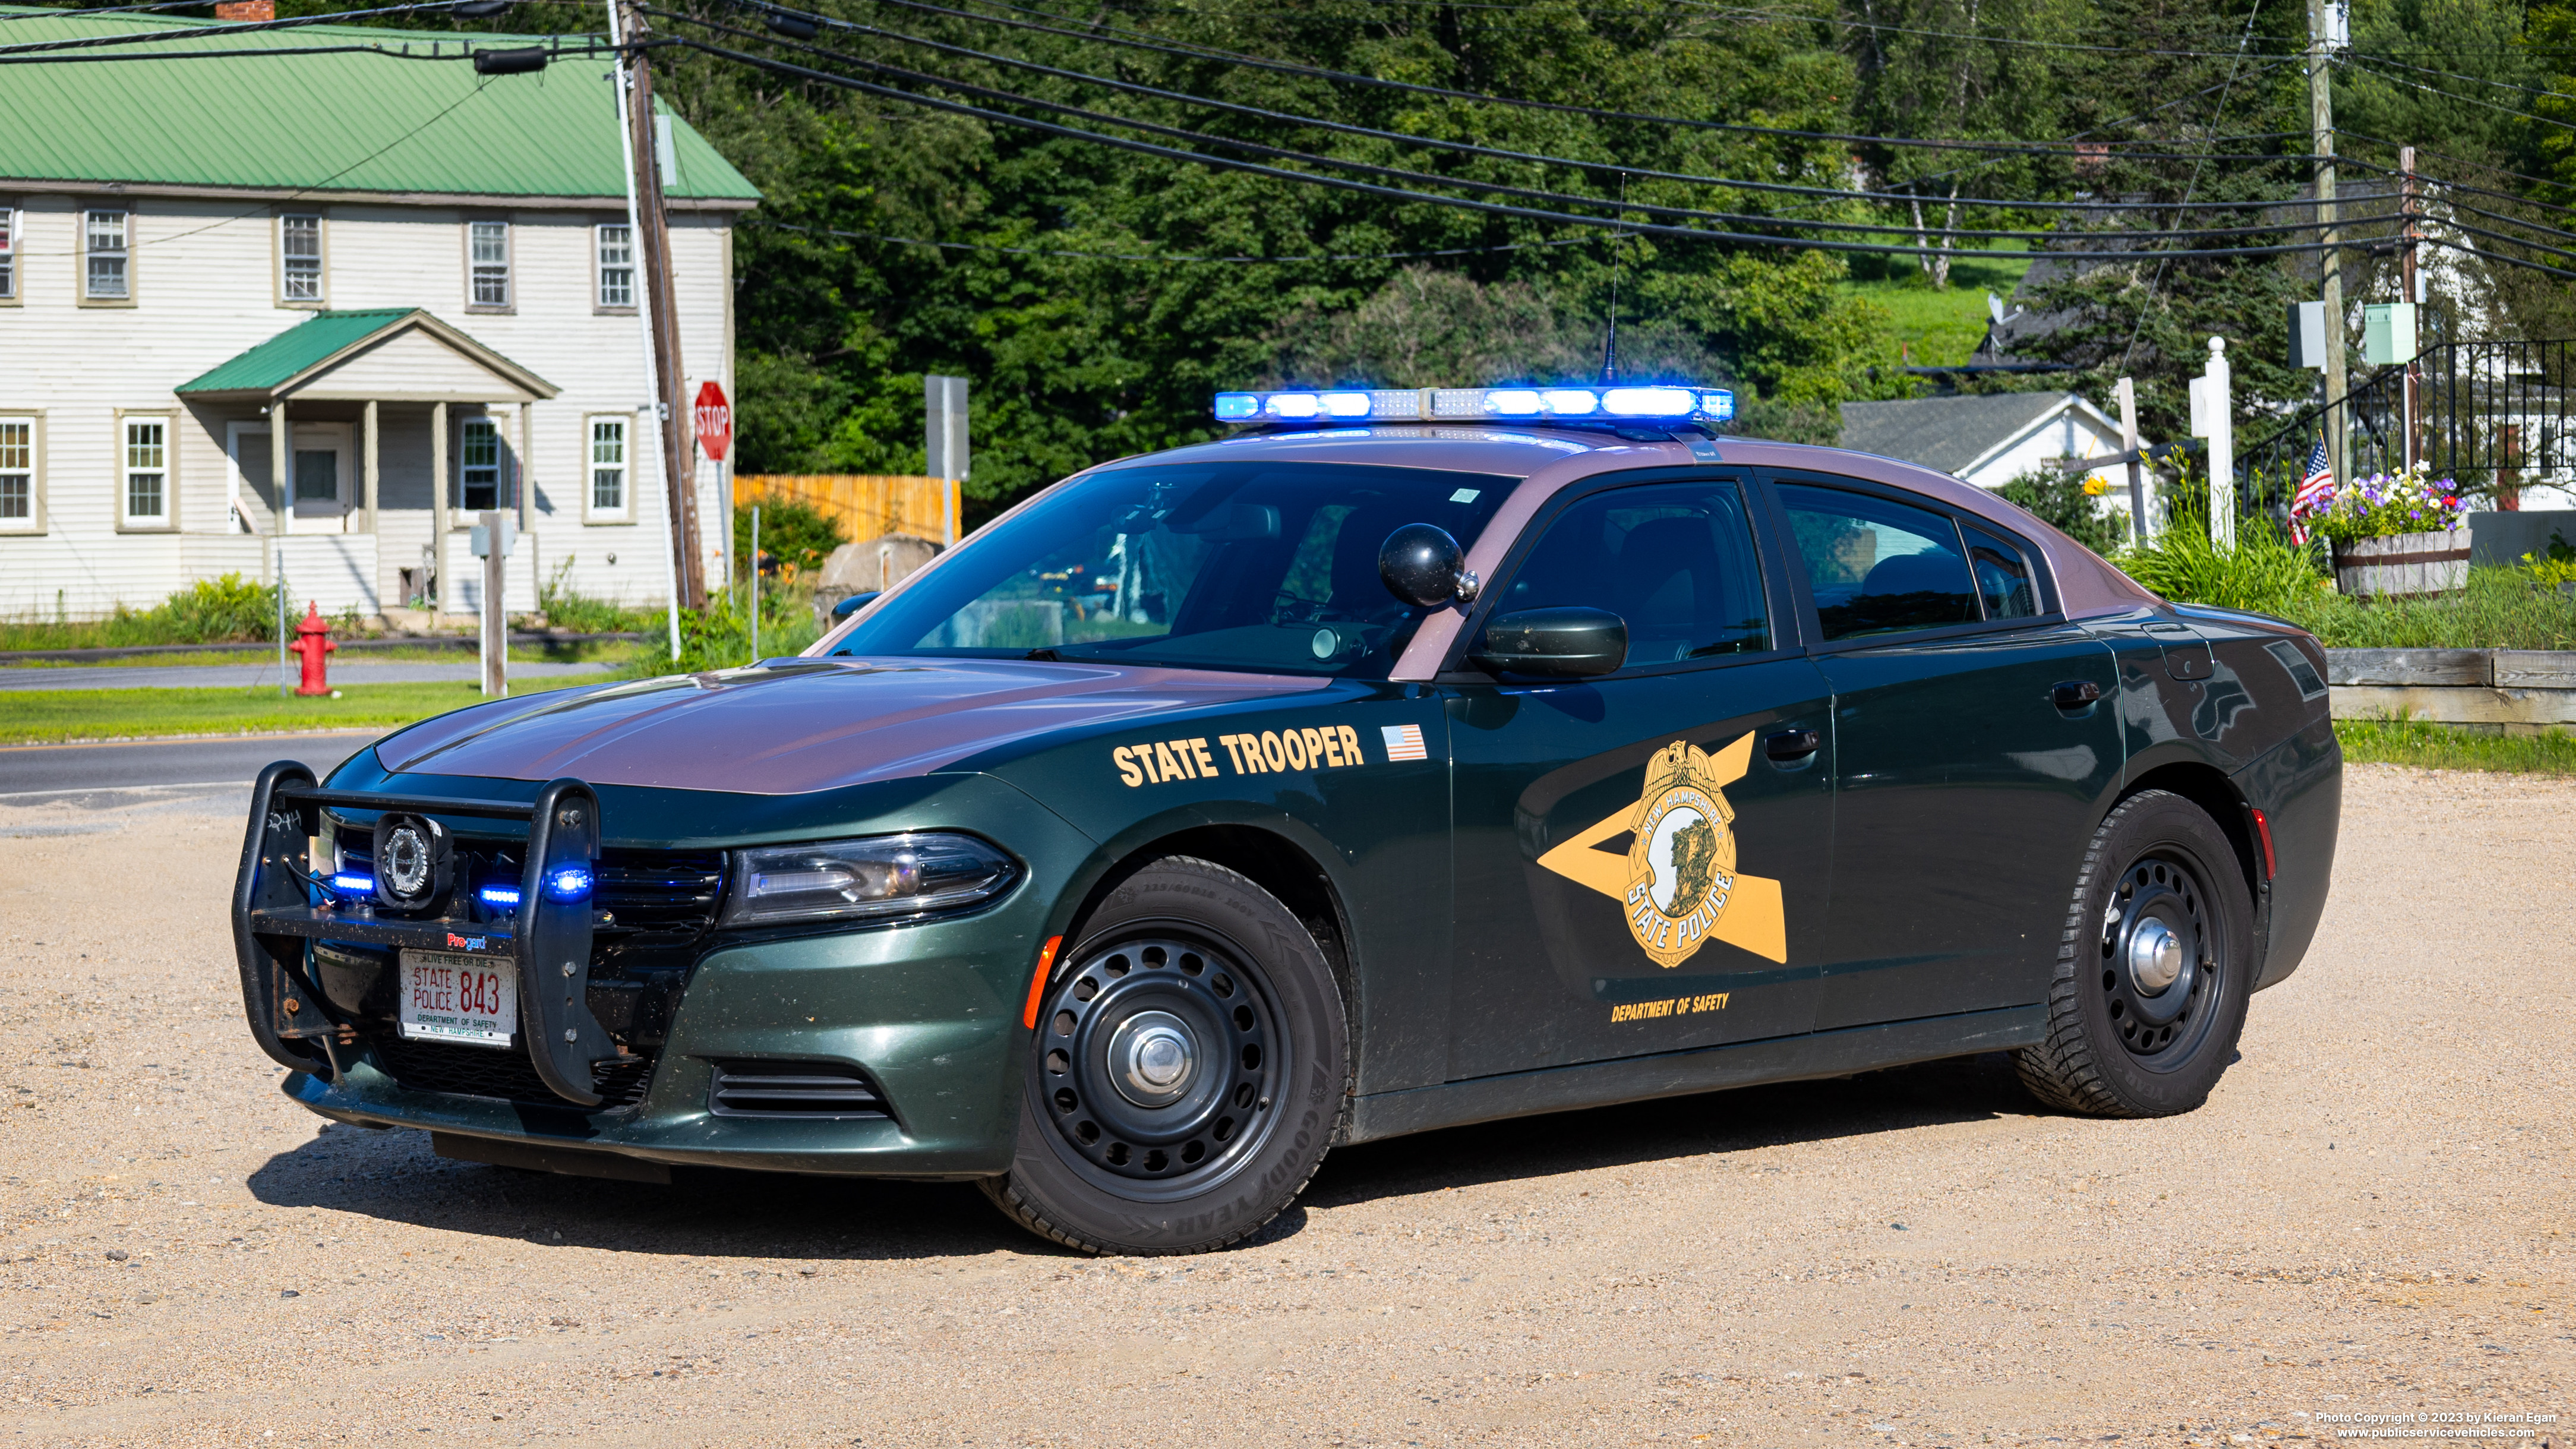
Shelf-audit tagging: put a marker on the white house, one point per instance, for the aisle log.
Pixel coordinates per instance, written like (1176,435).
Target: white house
(426,277)
(1991,440)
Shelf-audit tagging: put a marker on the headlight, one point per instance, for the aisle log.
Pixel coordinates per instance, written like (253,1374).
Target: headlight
(878,875)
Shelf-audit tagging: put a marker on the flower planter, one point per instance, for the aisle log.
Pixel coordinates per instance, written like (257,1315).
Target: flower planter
(2403,565)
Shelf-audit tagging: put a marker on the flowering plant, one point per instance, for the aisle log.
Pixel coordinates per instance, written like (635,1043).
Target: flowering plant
(2386,504)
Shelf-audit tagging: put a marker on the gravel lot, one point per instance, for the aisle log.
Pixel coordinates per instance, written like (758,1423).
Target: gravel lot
(2372,1216)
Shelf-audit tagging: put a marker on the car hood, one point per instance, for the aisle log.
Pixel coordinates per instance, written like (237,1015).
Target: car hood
(801,725)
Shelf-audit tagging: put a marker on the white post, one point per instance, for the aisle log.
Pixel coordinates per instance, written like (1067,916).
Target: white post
(492,538)
(2126,391)
(2222,449)
(755,583)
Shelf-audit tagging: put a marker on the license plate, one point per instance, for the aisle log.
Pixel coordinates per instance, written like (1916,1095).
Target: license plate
(452,997)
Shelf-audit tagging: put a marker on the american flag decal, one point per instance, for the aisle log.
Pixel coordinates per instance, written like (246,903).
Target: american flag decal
(1403,742)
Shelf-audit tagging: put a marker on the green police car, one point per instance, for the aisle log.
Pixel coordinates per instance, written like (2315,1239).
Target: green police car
(1403,760)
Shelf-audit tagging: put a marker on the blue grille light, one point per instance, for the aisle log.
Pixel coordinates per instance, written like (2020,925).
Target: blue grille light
(354,884)
(568,882)
(1678,403)
(499,895)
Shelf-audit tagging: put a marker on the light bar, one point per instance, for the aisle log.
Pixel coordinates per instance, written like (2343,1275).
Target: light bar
(354,883)
(499,895)
(1675,402)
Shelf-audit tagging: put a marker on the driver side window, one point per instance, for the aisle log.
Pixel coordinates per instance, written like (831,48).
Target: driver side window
(1674,560)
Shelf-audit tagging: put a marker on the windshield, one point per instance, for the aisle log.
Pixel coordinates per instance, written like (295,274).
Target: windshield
(1261,566)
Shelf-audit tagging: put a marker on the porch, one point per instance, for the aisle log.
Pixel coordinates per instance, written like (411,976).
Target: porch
(400,429)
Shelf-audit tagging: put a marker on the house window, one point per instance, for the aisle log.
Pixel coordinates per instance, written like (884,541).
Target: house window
(617,265)
(478,457)
(109,280)
(299,246)
(147,472)
(488,247)
(17,474)
(608,467)
(8,254)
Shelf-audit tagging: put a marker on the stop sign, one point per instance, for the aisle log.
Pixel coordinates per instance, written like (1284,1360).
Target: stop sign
(714,421)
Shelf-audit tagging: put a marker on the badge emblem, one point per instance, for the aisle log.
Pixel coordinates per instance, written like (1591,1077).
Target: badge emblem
(1678,883)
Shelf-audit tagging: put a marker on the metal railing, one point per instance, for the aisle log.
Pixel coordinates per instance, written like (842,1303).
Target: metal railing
(2493,416)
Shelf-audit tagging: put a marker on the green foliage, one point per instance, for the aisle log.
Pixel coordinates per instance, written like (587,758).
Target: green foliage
(795,536)
(222,610)
(2440,747)
(569,610)
(2060,500)
(719,636)
(2500,609)
(2264,572)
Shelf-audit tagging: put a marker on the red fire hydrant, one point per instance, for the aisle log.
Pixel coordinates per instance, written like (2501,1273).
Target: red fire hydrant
(313,640)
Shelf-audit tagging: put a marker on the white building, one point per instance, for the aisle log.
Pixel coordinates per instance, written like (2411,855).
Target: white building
(1993,439)
(426,274)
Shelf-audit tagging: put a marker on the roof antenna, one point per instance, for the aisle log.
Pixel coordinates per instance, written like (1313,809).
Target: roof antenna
(1610,343)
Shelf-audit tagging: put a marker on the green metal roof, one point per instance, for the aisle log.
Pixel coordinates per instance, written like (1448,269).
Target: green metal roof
(328,335)
(323,123)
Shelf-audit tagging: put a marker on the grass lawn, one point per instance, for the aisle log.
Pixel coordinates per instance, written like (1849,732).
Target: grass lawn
(1939,329)
(2438,747)
(614,651)
(44,716)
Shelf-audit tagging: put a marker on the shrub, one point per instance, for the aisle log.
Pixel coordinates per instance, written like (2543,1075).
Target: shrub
(795,538)
(568,609)
(2065,502)
(2265,572)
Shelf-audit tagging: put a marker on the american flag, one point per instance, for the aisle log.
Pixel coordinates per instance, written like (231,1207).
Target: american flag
(2315,494)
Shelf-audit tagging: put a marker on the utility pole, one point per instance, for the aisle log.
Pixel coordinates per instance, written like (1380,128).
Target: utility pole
(2407,215)
(2321,128)
(651,221)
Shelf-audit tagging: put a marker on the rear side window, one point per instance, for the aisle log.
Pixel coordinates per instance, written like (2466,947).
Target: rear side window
(2003,574)
(1877,567)
(1674,560)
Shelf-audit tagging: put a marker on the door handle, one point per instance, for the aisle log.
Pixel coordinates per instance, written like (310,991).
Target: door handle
(2074,694)
(1788,745)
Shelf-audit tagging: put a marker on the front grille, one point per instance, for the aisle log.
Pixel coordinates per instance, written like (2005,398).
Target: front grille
(646,890)
(660,890)
(793,1089)
(438,1066)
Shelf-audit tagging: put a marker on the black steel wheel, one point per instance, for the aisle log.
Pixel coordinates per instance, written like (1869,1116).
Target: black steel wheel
(1190,1065)
(2155,969)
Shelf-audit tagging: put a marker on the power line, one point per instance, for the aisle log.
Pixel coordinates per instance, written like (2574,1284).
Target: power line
(1490,208)
(1165,257)
(1400,174)
(1109,35)
(2450,74)
(56,10)
(2466,100)
(2214,118)
(1407,138)
(2486,166)
(226,28)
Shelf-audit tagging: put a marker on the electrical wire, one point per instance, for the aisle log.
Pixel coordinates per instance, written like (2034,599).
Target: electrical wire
(1118,36)
(2215,117)
(55,10)
(1407,138)
(1418,178)
(2465,100)
(2485,166)
(1490,208)
(2450,74)
(1138,257)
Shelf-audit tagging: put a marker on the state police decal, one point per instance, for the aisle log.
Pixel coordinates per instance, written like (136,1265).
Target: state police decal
(1678,883)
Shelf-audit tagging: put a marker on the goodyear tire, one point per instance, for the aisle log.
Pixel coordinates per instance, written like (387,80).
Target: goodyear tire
(1190,1065)
(2154,968)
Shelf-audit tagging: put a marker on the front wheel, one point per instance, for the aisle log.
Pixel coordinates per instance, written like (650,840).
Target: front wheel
(1191,1064)
(2155,969)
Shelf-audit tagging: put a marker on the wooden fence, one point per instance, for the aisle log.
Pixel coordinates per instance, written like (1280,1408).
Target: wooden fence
(868,505)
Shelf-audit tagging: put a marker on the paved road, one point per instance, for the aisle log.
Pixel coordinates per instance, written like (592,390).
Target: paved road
(243,676)
(32,770)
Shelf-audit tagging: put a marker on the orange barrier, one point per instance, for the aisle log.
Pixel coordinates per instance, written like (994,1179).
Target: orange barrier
(868,505)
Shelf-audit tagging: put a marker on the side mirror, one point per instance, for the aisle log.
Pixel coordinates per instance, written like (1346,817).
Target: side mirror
(1553,643)
(1422,565)
(855,603)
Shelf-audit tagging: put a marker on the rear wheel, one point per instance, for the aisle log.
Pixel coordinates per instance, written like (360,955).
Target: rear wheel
(1190,1066)
(2155,969)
